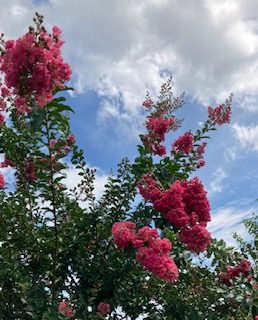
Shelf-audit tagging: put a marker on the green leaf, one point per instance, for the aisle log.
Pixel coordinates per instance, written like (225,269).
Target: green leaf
(62,107)
(37,118)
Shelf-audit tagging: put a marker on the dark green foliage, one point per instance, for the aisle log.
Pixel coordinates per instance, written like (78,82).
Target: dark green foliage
(57,242)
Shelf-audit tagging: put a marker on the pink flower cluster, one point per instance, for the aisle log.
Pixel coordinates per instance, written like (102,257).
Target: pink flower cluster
(33,67)
(2,181)
(21,105)
(196,202)
(70,139)
(103,308)
(157,127)
(154,257)
(6,163)
(184,205)
(196,238)
(232,272)
(199,152)
(4,93)
(152,253)
(30,171)
(147,103)
(62,147)
(65,310)
(123,233)
(221,114)
(184,144)
(1,119)
(149,188)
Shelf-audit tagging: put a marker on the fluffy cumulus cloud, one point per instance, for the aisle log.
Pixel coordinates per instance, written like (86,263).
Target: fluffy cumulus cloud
(121,48)
(216,185)
(247,136)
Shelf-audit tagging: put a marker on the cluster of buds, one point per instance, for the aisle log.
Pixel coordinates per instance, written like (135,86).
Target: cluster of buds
(158,124)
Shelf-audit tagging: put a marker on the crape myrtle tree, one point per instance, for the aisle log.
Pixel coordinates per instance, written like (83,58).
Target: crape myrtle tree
(143,248)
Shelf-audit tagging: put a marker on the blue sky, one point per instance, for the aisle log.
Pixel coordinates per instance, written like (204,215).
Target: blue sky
(120,49)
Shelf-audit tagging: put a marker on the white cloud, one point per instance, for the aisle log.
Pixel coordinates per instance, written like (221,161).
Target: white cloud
(73,178)
(216,185)
(121,48)
(99,184)
(9,175)
(229,219)
(247,136)
(230,154)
